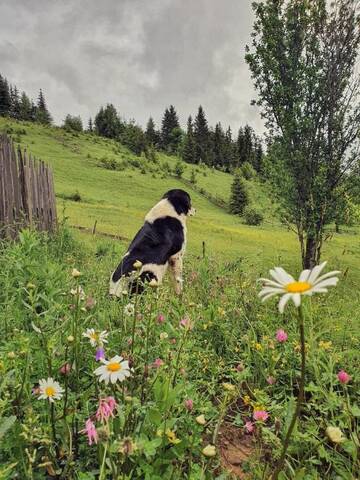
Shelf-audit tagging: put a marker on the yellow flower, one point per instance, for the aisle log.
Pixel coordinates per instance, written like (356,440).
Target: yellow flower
(75,273)
(200,420)
(209,451)
(258,347)
(153,283)
(325,345)
(172,437)
(246,399)
(335,434)
(229,387)
(221,312)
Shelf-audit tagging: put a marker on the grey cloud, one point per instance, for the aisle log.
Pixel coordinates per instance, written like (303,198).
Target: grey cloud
(140,55)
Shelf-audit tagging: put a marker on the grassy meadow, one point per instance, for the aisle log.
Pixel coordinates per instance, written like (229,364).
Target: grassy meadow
(201,367)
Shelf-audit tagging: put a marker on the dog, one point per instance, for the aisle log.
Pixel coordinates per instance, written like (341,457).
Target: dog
(158,246)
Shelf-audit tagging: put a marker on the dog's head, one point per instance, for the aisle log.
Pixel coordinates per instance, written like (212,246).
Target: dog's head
(181,201)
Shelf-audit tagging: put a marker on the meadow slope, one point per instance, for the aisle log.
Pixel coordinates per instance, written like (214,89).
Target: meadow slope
(118,201)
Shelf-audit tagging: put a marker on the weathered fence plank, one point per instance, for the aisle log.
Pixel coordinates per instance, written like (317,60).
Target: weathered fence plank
(27,195)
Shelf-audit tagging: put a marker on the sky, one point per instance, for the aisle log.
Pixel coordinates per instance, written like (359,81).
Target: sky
(140,55)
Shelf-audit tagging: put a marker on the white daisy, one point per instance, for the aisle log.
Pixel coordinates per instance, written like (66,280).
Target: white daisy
(129,309)
(113,370)
(96,338)
(284,284)
(49,389)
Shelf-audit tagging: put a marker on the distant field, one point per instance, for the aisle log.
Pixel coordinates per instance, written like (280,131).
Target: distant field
(118,200)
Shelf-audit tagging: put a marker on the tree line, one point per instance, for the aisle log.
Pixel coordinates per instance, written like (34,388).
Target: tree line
(216,147)
(20,106)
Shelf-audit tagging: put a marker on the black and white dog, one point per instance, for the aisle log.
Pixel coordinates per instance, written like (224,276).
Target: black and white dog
(159,244)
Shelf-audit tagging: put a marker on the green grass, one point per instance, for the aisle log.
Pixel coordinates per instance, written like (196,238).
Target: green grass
(118,201)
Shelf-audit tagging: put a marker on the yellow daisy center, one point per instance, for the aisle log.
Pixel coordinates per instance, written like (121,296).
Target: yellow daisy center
(94,336)
(50,391)
(113,367)
(298,287)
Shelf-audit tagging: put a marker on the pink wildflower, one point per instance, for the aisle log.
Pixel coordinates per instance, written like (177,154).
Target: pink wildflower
(249,427)
(65,369)
(186,323)
(343,377)
(160,319)
(260,415)
(106,408)
(157,363)
(90,431)
(270,380)
(189,404)
(281,336)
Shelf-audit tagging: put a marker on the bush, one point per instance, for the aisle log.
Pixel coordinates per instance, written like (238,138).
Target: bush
(112,164)
(73,124)
(179,169)
(253,217)
(247,171)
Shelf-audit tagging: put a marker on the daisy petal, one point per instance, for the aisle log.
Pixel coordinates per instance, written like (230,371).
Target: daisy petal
(283,301)
(315,272)
(296,298)
(304,275)
(328,282)
(326,275)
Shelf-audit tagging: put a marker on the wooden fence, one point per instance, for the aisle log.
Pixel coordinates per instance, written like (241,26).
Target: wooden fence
(27,197)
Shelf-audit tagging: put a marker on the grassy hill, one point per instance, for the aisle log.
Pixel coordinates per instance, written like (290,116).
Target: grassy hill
(118,200)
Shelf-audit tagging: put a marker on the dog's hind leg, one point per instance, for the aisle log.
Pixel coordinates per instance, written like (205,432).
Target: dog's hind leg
(176,268)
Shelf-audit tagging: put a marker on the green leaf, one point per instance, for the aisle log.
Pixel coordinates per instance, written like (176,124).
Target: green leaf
(355,410)
(155,416)
(6,424)
(150,446)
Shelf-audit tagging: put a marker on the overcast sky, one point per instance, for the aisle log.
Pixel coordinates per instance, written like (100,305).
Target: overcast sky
(140,55)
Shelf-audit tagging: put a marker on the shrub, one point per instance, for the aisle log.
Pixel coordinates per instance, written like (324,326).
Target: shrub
(253,217)
(73,124)
(179,169)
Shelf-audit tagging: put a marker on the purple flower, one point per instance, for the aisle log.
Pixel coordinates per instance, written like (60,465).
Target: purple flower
(100,354)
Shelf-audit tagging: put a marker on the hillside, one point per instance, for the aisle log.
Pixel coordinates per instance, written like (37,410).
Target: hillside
(118,200)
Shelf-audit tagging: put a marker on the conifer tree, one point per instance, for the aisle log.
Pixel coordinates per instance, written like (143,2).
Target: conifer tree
(152,136)
(90,127)
(15,103)
(239,197)
(188,153)
(202,138)
(25,107)
(218,142)
(229,151)
(170,121)
(42,113)
(5,100)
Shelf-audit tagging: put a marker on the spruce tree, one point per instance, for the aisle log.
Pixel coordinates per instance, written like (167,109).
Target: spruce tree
(152,136)
(90,127)
(219,141)
(15,103)
(25,107)
(229,151)
(170,122)
(42,113)
(239,197)
(188,152)
(5,100)
(202,138)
